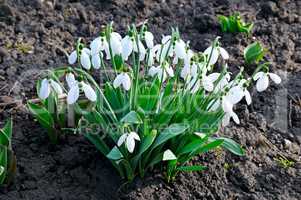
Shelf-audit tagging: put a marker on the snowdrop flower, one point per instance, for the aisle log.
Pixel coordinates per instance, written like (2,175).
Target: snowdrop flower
(216,51)
(123,80)
(189,71)
(165,48)
(46,86)
(74,91)
(129,140)
(238,92)
(149,39)
(161,71)
(98,44)
(208,81)
(142,50)
(84,58)
(263,80)
(227,107)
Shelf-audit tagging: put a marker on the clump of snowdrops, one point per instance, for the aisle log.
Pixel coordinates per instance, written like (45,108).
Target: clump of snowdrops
(162,104)
(7,156)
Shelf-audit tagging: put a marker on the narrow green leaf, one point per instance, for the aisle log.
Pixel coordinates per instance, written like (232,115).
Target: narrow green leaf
(8,129)
(232,146)
(42,115)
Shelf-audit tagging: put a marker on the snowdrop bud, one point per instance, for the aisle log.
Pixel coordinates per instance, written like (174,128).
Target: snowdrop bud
(72,58)
(85,60)
(130,141)
(44,90)
(89,92)
(149,39)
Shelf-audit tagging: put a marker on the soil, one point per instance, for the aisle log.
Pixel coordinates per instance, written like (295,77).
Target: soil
(36,34)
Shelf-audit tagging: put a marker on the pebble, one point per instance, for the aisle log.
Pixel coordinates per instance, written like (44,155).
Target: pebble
(3,52)
(269,7)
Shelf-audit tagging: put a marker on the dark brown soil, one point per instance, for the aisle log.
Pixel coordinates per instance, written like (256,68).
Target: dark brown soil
(34,35)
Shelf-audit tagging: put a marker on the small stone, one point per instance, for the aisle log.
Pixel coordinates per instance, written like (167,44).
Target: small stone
(11,71)
(20,28)
(269,8)
(3,53)
(287,144)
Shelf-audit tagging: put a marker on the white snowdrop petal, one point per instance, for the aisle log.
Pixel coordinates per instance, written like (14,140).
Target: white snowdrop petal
(122,139)
(170,71)
(70,79)
(226,105)
(224,53)
(235,117)
(262,83)
(130,143)
(89,92)
(258,75)
(56,87)
(226,120)
(96,62)
(44,89)
(168,155)
(185,72)
(275,78)
(180,49)
(135,135)
(235,94)
(207,84)
(72,58)
(115,42)
(86,50)
(248,97)
(165,39)
(126,82)
(73,94)
(149,39)
(118,81)
(96,46)
(213,77)
(127,47)
(85,60)
(142,51)
(153,71)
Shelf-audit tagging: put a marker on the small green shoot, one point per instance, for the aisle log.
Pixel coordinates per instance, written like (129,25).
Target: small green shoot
(7,157)
(234,24)
(254,53)
(284,162)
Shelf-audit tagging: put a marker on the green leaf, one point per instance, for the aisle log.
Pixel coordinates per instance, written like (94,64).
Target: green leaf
(131,118)
(254,53)
(169,155)
(192,168)
(118,62)
(224,23)
(232,146)
(42,115)
(208,147)
(115,154)
(170,132)
(8,129)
